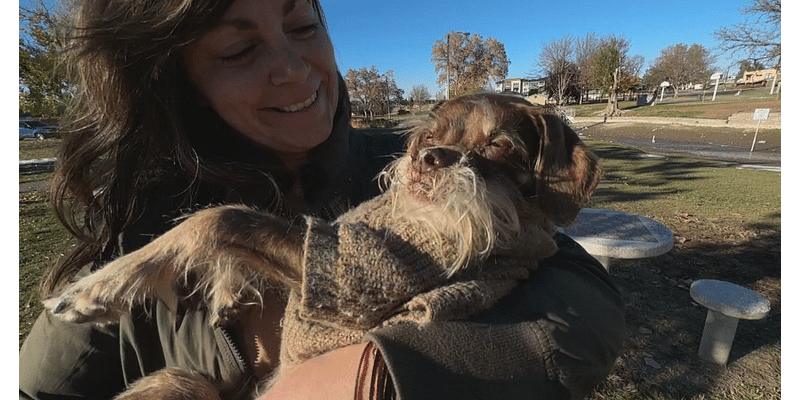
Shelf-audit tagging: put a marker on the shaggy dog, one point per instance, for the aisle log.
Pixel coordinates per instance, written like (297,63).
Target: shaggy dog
(468,211)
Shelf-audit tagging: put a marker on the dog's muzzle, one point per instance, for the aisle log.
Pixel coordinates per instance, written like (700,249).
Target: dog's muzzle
(435,158)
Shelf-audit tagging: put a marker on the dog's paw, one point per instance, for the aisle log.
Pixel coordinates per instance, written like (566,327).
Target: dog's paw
(225,306)
(80,306)
(103,296)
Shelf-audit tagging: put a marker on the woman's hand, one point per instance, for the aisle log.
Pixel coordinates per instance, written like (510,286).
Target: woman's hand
(333,375)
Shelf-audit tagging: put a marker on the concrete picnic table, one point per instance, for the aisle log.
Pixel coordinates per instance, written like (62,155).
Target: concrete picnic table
(607,234)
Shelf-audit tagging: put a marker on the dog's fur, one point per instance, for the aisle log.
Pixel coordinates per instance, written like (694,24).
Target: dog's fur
(475,174)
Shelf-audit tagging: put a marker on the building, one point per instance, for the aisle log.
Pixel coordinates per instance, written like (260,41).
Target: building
(760,76)
(524,87)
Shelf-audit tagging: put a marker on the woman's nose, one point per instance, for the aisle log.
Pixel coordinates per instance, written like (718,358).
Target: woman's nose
(288,67)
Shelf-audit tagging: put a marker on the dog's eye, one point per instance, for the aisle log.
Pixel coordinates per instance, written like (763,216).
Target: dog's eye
(499,144)
(427,138)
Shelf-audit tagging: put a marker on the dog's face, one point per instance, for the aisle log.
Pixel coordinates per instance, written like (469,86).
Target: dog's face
(484,168)
(506,140)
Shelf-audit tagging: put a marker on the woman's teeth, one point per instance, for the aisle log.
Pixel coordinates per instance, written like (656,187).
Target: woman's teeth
(300,106)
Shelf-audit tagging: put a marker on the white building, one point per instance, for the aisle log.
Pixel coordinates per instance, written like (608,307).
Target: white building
(518,85)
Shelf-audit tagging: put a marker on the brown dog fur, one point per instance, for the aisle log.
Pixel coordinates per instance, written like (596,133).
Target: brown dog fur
(518,165)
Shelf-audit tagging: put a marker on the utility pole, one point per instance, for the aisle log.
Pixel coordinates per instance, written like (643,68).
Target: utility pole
(775,78)
(447,83)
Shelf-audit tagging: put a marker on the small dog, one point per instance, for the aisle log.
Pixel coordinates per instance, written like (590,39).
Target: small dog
(470,208)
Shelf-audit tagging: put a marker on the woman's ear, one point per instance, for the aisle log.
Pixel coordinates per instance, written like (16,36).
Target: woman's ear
(566,171)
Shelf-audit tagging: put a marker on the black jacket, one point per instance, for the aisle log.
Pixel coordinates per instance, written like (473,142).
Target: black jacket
(556,336)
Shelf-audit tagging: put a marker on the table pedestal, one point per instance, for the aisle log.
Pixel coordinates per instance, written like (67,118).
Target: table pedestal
(715,345)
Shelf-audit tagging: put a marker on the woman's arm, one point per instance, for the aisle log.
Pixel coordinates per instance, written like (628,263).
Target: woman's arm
(332,376)
(60,360)
(555,337)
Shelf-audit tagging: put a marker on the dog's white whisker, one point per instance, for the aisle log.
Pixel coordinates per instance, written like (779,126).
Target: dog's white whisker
(454,206)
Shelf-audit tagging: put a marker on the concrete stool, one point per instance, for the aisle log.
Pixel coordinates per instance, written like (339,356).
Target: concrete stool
(726,303)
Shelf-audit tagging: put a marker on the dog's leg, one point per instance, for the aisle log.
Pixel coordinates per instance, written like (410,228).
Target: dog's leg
(223,253)
(171,384)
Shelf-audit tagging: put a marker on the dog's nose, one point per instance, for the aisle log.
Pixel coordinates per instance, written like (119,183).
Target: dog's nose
(439,157)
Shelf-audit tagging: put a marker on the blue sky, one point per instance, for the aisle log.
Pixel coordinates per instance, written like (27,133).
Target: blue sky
(399,35)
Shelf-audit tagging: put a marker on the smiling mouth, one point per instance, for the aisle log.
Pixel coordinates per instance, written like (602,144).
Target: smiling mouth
(299,106)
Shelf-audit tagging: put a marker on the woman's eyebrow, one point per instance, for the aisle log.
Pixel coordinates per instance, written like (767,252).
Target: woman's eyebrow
(245,24)
(238,23)
(289,6)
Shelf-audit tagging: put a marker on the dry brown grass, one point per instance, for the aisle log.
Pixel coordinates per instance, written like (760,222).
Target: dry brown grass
(727,224)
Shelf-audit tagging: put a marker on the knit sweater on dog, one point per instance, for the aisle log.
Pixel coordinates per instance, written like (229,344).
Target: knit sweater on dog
(360,273)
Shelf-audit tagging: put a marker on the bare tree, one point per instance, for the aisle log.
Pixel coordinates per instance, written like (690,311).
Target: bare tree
(372,92)
(391,94)
(585,50)
(466,63)
(556,63)
(419,95)
(759,39)
(612,65)
(680,65)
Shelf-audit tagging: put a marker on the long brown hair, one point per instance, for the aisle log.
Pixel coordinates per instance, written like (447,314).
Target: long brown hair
(130,121)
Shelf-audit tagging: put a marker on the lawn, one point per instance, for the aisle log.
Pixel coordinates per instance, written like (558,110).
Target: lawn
(38,149)
(727,226)
(726,104)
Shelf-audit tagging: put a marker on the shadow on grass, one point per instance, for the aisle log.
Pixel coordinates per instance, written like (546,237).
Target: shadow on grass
(665,325)
(657,175)
(659,357)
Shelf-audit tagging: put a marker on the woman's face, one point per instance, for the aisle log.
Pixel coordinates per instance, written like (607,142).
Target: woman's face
(268,70)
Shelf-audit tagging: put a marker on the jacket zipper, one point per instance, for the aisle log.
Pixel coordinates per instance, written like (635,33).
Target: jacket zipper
(227,335)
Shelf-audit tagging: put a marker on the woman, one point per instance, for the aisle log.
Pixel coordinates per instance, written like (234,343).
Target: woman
(189,103)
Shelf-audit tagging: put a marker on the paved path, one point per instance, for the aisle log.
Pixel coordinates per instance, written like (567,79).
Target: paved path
(35,167)
(738,120)
(33,186)
(770,158)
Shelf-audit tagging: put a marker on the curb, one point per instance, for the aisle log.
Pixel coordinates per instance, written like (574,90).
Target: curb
(30,167)
(736,121)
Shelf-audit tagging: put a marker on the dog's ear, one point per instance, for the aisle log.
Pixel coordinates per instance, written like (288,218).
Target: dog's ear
(565,171)
(437,106)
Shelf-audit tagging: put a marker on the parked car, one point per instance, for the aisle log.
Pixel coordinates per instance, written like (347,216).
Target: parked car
(36,130)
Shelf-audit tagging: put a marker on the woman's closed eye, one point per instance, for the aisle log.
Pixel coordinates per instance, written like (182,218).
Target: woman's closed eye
(305,31)
(301,33)
(238,56)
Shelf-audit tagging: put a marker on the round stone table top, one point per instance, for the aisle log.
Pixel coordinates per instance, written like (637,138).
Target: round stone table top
(617,234)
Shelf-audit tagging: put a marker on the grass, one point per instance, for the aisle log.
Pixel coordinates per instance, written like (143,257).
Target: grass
(714,189)
(38,149)
(689,106)
(727,226)
(42,240)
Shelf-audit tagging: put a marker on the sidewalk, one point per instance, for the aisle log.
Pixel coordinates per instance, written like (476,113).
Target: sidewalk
(30,167)
(738,120)
(40,186)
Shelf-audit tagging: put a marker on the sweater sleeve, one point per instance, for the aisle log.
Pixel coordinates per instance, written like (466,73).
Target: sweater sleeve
(554,337)
(355,276)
